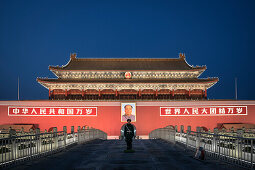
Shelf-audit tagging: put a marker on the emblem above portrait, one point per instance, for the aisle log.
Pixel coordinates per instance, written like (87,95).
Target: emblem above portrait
(128,75)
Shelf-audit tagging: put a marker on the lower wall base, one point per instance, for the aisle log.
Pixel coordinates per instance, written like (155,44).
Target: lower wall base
(108,118)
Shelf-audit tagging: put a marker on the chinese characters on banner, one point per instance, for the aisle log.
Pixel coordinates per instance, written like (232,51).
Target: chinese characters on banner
(203,111)
(52,111)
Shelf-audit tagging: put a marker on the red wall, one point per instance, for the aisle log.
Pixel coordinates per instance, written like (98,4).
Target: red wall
(108,115)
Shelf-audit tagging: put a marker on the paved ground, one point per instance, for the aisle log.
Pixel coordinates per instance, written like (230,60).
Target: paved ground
(99,154)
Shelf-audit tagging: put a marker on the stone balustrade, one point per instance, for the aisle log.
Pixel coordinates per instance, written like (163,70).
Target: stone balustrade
(233,147)
(28,145)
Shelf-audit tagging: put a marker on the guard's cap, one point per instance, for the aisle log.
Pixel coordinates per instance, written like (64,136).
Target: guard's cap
(128,120)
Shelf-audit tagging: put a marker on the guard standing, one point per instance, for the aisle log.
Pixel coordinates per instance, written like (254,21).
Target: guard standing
(129,134)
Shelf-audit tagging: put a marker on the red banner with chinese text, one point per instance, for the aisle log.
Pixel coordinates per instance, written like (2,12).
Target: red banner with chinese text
(52,111)
(203,111)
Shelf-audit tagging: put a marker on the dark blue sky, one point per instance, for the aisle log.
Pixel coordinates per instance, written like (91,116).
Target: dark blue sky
(36,34)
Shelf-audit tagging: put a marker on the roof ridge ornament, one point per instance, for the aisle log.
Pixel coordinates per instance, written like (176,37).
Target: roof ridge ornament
(73,56)
(182,55)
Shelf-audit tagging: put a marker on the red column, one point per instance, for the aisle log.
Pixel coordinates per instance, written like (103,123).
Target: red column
(173,93)
(49,94)
(52,94)
(66,92)
(139,92)
(189,92)
(99,93)
(82,92)
(116,93)
(205,93)
(156,92)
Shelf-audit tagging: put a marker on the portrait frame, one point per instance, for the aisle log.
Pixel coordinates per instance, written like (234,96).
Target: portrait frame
(122,113)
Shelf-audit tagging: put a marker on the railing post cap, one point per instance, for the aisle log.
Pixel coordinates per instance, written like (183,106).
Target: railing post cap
(55,129)
(64,128)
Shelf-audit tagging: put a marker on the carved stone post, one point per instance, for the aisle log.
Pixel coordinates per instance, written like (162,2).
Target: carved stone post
(239,143)
(72,129)
(232,130)
(65,135)
(72,133)
(175,131)
(215,138)
(173,134)
(181,132)
(38,140)
(198,136)
(78,134)
(55,136)
(22,130)
(14,149)
(187,136)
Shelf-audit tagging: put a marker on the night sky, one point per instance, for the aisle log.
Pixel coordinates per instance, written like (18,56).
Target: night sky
(36,34)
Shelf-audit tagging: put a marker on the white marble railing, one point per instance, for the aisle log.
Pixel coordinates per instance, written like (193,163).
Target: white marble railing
(20,148)
(234,149)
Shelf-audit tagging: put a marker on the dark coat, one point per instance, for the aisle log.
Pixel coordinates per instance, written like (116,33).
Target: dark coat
(129,131)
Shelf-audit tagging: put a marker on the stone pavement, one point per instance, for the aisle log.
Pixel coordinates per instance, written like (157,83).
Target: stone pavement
(108,154)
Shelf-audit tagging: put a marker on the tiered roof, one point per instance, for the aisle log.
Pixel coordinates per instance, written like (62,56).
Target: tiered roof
(120,66)
(128,64)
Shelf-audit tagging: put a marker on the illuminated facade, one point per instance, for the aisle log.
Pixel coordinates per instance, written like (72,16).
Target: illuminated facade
(129,79)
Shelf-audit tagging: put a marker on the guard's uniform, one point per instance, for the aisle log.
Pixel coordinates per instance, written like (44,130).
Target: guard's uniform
(129,134)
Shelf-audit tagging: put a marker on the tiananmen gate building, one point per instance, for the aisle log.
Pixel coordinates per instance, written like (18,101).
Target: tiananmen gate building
(98,93)
(91,79)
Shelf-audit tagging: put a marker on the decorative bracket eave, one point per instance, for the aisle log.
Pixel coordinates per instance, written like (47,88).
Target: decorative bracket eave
(138,86)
